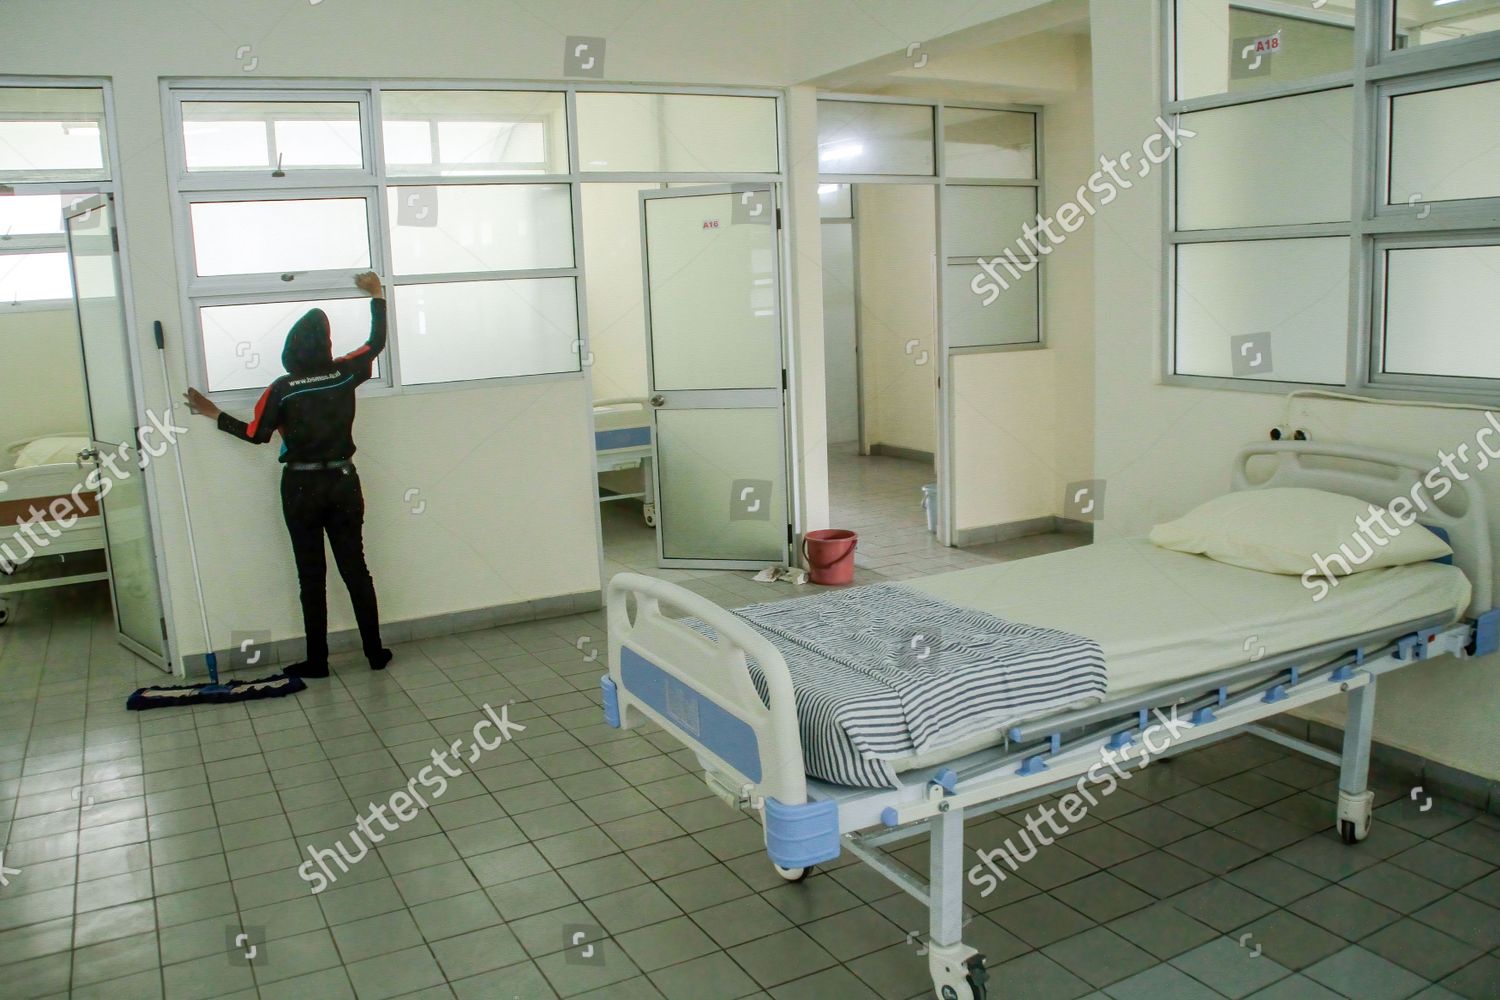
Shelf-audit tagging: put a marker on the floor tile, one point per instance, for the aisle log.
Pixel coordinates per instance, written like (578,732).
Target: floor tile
(1230,968)
(1355,972)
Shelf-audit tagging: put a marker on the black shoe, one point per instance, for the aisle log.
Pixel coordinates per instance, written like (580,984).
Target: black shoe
(380,659)
(306,670)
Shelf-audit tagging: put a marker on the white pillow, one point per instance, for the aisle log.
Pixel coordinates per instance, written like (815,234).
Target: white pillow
(50,451)
(1287,530)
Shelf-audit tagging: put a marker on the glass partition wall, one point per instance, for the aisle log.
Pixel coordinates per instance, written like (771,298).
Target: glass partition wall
(985,165)
(468,200)
(1333,214)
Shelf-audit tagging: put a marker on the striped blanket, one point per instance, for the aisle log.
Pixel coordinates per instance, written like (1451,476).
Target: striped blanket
(883,672)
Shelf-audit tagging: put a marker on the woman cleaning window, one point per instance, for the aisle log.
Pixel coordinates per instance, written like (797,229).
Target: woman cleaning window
(312,405)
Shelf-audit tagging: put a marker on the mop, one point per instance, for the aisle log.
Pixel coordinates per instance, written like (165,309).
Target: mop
(213,692)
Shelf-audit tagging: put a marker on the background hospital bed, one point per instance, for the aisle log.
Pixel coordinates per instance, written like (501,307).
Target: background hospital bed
(77,555)
(700,692)
(622,442)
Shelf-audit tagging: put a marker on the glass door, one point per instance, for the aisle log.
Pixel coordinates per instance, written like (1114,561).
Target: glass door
(717,385)
(115,450)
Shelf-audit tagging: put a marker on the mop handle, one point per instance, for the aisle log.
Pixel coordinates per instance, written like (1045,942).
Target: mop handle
(211,657)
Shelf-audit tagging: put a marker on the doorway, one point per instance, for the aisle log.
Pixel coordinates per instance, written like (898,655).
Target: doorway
(687,374)
(880,358)
(117,453)
(75,503)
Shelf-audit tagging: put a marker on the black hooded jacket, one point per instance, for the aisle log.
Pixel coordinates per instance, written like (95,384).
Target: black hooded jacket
(312,405)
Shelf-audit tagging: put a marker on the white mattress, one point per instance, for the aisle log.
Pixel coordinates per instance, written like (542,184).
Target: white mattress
(1163,616)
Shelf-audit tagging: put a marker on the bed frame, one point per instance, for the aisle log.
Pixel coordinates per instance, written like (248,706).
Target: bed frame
(38,486)
(700,692)
(626,446)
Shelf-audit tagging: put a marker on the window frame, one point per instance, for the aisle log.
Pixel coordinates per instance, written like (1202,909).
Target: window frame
(60,182)
(941,181)
(1378,73)
(377,180)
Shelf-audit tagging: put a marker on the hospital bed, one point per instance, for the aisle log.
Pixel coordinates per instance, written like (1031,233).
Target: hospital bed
(1223,647)
(34,476)
(622,440)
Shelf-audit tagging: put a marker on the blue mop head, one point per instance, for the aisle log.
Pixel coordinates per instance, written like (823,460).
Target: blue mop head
(275,686)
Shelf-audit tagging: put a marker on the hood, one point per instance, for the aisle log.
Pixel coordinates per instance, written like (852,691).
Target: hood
(309,346)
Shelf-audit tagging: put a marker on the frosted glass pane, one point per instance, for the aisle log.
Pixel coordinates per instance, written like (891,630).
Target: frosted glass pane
(713,307)
(465,330)
(706,459)
(226,145)
(318,144)
(52,132)
(677,133)
(471,132)
(1267,309)
(1224,47)
(1423,22)
(840,340)
(267,237)
(101,322)
(835,201)
(1444,144)
(496,227)
(860,138)
(34,277)
(132,562)
(998,144)
(242,343)
(1010,318)
(254,135)
(1442,311)
(31,214)
(1270,163)
(980,221)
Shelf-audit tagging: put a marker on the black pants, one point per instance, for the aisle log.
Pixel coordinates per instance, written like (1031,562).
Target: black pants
(329,501)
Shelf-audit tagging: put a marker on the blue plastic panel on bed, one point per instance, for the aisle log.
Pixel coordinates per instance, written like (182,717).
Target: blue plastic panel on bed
(725,734)
(1442,533)
(621,437)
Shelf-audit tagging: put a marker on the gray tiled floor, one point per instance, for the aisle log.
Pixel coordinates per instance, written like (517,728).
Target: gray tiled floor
(146,843)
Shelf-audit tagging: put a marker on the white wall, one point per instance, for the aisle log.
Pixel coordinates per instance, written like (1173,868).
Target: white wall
(1023,420)
(41,378)
(897,240)
(612,267)
(1163,449)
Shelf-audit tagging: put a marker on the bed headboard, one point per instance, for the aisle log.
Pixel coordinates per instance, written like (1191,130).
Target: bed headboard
(1377,477)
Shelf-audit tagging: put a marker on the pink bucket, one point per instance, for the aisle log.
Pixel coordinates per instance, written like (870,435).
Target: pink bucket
(829,553)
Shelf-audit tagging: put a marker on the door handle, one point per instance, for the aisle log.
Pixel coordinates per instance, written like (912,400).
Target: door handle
(658,400)
(90,455)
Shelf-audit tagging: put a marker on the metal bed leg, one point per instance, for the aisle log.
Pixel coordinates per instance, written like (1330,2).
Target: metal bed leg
(648,501)
(1356,801)
(958,971)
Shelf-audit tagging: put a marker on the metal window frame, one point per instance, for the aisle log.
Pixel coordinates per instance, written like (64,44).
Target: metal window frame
(1382,246)
(435,120)
(1450,51)
(84,183)
(376,176)
(1378,73)
(10,179)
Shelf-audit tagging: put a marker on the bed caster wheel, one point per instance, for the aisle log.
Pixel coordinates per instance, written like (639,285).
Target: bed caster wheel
(650,514)
(954,979)
(1355,815)
(793,874)
(4,616)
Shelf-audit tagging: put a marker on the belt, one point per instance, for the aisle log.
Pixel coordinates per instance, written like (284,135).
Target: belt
(342,463)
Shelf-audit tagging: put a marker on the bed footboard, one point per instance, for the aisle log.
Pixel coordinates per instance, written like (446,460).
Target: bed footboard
(700,691)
